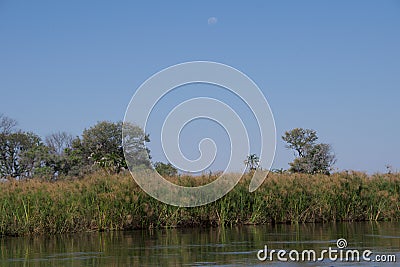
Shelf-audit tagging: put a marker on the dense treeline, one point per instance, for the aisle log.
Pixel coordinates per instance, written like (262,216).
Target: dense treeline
(105,197)
(26,155)
(102,202)
(105,145)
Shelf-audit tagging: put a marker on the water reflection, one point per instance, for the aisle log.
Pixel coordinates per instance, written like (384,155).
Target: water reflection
(195,247)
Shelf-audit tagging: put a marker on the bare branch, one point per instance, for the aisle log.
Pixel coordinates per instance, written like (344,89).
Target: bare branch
(7,124)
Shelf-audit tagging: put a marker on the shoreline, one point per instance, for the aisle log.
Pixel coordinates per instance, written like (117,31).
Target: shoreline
(100,202)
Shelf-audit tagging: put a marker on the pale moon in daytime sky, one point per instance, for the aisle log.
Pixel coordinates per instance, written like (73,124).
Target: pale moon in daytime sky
(212,20)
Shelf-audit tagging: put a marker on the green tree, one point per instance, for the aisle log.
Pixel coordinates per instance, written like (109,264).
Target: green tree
(318,159)
(136,153)
(252,162)
(37,161)
(74,162)
(19,154)
(300,140)
(165,169)
(103,146)
(58,160)
(311,157)
(22,154)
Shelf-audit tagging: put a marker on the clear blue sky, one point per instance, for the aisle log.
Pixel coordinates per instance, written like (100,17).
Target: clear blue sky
(333,66)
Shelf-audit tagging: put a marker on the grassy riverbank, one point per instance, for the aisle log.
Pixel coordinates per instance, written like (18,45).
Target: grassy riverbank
(102,202)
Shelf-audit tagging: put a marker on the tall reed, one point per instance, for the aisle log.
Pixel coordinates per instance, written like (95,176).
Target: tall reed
(101,202)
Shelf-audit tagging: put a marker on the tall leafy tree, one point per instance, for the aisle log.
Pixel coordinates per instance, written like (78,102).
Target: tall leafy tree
(102,145)
(318,159)
(75,161)
(19,154)
(22,154)
(300,140)
(311,157)
(37,161)
(136,153)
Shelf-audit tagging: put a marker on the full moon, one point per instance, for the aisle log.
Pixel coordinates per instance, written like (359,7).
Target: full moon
(212,20)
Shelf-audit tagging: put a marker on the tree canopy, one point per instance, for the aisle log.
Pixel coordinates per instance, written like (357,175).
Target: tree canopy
(252,162)
(25,155)
(300,140)
(311,157)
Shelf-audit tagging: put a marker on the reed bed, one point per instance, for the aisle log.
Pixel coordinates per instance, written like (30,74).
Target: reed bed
(102,202)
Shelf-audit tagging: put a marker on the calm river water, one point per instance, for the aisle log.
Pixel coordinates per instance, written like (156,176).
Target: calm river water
(237,246)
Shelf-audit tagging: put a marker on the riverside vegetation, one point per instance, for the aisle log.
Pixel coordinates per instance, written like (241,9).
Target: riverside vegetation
(103,202)
(64,184)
